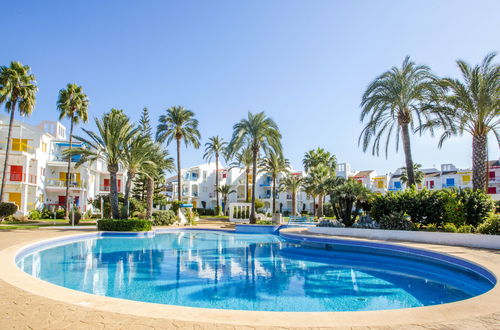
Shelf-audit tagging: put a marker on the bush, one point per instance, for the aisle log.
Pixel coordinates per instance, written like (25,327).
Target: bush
(431,227)
(259,205)
(164,218)
(346,200)
(477,205)
(174,206)
(491,226)
(465,229)
(366,222)
(7,209)
(35,214)
(264,222)
(123,225)
(60,213)
(396,221)
(77,217)
(449,227)
(330,223)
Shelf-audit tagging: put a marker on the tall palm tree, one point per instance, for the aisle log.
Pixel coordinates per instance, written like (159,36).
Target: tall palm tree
(138,154)
(17,90)
(419,175)
(225,190)
(160,161)
(274,164)
(292,183)
(215,147)
(310,189)
(179,124)
(392,103)
(473,106)
(114,130)
(73,104)
(244,158)
(259,132)
(318,156)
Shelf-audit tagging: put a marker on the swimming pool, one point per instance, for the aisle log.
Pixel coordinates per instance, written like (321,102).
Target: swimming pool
(224,270)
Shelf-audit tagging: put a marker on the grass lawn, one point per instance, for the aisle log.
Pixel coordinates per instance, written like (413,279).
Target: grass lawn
(214,217)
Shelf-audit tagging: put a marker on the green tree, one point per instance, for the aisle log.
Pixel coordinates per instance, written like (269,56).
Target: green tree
(114,131)
(274,165)
(18,91)
(259,132)
(73,104)
(417,170)
(138,154)
(347,199)
(244,158)
(473,106)
(178,124)
(319,165)
(292,183)
(225,190)
(392,103)
(145,124)
(215,147)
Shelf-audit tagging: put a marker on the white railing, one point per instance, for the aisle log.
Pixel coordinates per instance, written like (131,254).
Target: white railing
(240,212)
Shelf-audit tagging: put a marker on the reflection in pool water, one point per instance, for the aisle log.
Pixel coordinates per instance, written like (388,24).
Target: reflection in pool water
(249,272)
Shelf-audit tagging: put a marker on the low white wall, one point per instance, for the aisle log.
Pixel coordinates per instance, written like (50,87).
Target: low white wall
(469,240)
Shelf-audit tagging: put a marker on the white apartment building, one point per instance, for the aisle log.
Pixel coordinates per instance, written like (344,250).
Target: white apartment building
(36,171)
(198,188)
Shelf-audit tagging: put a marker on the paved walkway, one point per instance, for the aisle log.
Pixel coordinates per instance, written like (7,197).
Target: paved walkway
(22,310)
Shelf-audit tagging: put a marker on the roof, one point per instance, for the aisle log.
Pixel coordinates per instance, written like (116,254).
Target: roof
(361,174)
(432,175)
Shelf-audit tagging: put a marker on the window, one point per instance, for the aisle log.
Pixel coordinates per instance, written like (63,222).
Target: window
(492,190)
(19,144)
(492,174)
(431,184)
(44,147)
(380,184)
(15,197)
(42,171)
(466,179)
(450,182)
(397,184)
(224,175)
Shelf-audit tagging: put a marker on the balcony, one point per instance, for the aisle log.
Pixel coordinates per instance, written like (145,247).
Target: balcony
(20,177)
(494,180)
(265,196)
(62,183)
(18,145)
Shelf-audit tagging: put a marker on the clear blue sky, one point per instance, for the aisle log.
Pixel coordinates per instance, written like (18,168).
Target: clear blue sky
(305,63)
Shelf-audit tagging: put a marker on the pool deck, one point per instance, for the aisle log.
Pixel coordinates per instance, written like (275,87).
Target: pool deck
(31,307)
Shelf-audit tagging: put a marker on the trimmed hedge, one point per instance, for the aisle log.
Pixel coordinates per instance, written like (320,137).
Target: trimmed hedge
(123,225)
(7,209)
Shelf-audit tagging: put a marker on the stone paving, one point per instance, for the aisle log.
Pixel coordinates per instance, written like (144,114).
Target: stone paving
(22,310)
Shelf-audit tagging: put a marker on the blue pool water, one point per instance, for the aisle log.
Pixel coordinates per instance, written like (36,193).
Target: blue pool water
(224,270)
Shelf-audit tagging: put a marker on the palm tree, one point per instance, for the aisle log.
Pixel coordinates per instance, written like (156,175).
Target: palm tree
(178,124)
(391,104)
(419,175)
(225,190)
(159,162)
(244,159)
(292,183)
(17,90)
(258,132)
(310,189)
(473,106)
(138,154)
(315,179)
(319,165)
(114,131)
(214,147)
(73,104)
(274,164)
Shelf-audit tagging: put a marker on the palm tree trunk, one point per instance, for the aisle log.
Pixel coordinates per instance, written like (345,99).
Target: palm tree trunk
(128,186)
(7,149)
(274,195)
(294,203)
(68,171)
(113,191)
(149,198)
(320,205)
(479,162)
(217,182)
(314,206)
(405,134)
(255,150)
(247,172)
(179,190)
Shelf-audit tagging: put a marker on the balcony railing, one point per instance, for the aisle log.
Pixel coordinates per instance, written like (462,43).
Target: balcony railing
(265,196)
(20,177)
(17,146)
(62,183)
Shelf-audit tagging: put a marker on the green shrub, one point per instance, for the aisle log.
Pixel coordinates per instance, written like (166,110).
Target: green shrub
(490,226)
(264,222)
(123,225)
(431,227)
(75,219)
(396,221)
(35,214)
(449,227)
(477,205)
(60,213)
(347,199)
(174,206)
(465,229)
(164,218)
(217,210)
(259,205)
(7,209)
